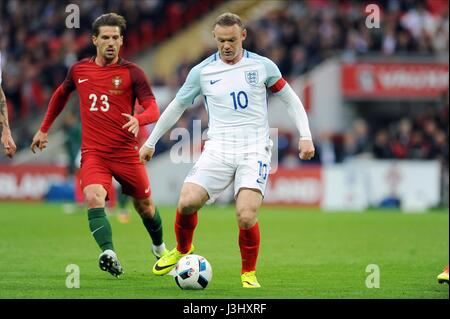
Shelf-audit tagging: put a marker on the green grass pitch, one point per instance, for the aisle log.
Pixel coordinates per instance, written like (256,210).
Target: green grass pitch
(304,254)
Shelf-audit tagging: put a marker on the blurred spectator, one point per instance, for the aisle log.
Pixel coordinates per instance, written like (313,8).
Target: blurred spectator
(381,149)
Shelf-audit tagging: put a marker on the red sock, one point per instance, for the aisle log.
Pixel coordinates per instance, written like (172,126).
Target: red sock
(184,231)
(249,244)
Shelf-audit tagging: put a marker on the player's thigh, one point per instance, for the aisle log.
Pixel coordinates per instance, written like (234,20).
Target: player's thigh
(192,197)
(248,200)
(213,173)
(132,176)
(252,173)
(95,171)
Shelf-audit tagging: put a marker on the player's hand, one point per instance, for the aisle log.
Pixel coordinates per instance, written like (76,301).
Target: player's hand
(8,143)
(146,154)
(132,124)
(306,149)
(40,140)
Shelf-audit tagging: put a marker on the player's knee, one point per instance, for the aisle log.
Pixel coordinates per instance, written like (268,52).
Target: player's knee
(95,198)
(188,204)
(144,207)
(246,218)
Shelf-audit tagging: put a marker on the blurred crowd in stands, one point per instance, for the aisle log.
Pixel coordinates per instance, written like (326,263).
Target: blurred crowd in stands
(302,34)
(297,37)
(421,136)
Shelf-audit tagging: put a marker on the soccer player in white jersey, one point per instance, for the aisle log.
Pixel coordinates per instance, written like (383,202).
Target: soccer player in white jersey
(7,140)
(234,84)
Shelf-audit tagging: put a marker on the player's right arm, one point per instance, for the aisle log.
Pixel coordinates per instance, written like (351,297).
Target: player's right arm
(57,103)
(185,96)
(6,137)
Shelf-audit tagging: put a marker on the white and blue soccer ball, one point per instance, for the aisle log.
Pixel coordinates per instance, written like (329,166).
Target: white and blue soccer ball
(193,272)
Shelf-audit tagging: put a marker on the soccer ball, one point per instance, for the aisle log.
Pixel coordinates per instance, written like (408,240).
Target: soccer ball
(193,272)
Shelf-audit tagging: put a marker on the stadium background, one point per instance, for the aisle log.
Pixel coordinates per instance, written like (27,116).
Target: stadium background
(377,101)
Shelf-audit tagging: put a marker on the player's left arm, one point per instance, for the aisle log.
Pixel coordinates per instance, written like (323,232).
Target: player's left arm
(282,90)
(297,112)
(6,139)
(144,94)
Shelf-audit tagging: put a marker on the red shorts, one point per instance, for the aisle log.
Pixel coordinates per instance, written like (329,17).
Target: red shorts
(97,168)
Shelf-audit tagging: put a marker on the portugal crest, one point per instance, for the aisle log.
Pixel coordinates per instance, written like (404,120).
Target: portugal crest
(251,77)
(117,81)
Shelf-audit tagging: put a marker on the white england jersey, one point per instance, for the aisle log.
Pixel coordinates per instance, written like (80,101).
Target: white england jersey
(235,99)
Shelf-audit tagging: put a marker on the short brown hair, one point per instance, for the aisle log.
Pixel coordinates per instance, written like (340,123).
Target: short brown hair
(228,19)
(109,19)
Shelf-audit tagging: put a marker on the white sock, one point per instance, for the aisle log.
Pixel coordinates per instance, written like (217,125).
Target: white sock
(109,252)
(159,249)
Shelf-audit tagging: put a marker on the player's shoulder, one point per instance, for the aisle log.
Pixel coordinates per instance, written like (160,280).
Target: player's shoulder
(257,58)
(136,72)
(207,61)
(81,63)
(84,61)
(128,64)
(271,68)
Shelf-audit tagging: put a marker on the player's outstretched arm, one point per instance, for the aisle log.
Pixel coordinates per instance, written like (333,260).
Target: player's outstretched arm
(298,114)
(168,118)
(6,139)
(55,106)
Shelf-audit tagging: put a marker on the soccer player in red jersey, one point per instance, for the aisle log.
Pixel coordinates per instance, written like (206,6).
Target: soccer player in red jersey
(108,86)
(6,138)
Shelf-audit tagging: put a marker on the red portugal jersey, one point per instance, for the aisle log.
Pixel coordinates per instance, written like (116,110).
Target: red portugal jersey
(105,92)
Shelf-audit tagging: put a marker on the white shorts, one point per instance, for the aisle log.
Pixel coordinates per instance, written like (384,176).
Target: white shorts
(215,171)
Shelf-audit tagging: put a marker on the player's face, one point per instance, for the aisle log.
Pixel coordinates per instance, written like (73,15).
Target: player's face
(229,42)
(108,42)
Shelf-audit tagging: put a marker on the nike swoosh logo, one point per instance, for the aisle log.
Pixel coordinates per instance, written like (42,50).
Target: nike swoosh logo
(214,81)
(97,229)
(82,80)
(251,284)
(163,267)
(260,181)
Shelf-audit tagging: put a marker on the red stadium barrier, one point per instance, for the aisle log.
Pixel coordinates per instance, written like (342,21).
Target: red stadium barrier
(396,80)
(295,186)
(28,182)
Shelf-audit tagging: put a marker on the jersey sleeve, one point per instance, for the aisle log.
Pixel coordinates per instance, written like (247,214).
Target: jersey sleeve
(273,72)
(69,84)
(58,101)
(191,87)
(141,86)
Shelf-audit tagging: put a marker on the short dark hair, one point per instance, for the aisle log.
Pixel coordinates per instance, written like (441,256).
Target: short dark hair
(109,19)
(228,19)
